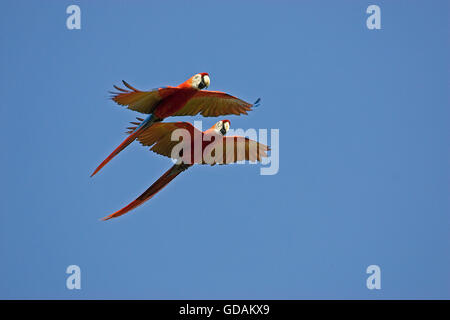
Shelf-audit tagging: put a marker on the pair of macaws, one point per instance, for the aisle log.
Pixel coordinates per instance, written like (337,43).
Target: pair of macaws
(188,98)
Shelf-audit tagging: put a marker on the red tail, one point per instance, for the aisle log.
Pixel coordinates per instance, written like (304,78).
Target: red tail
(152,190)
(125,143)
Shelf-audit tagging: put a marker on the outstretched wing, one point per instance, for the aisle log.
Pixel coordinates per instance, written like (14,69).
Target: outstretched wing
(237,148)
(233,148)
(140,101)
(213,104)
(159,136)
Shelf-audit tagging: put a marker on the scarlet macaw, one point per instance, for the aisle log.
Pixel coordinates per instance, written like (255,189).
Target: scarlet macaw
(184,99)
(159,138)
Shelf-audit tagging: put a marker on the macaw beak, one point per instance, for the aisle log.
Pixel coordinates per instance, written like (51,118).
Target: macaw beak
(223,131)
(204,83)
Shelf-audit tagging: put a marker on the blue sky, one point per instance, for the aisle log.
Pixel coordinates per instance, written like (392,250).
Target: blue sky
(364,151)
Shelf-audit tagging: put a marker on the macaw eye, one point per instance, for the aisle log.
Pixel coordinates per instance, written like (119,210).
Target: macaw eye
(227,126)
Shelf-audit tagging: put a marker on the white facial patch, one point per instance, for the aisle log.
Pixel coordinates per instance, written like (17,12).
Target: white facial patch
(218,126)
(207,81)
(196,80)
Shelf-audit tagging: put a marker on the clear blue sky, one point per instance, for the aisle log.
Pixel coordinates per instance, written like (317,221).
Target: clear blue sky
(364,151)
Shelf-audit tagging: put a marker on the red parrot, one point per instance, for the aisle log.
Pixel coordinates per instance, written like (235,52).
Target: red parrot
(159,138)
(184,99)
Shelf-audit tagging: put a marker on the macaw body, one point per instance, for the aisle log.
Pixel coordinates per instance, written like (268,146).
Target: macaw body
(159,138)
(187,98)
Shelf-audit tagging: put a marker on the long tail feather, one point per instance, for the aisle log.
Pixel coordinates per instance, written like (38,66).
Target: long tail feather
(133,135)
(151,191)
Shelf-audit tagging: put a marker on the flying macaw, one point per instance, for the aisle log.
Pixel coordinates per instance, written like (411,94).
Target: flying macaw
(159,138)
(182,100)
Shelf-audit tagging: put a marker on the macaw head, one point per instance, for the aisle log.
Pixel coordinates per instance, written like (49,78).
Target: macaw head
(222,127)
(200,81)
